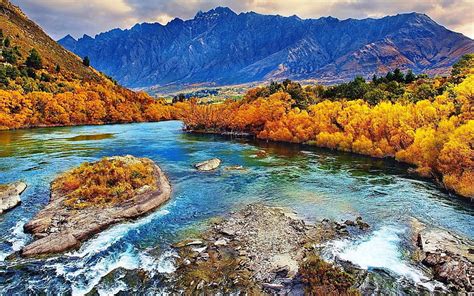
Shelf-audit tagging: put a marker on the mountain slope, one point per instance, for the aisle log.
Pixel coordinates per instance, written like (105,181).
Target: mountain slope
(43,84)
(220,46)
(28,35)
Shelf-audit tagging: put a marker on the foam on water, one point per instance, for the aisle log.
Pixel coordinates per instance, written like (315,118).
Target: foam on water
(166,263)
(112,235)
(84,271)
(118,286)
(17,237)
(382,249)
(127,260)
(130,259)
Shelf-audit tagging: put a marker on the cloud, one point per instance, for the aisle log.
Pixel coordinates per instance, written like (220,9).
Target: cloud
(77,17)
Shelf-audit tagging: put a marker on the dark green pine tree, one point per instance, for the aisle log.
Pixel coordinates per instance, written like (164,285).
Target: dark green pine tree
(6,42)
(86,61)
(34,60)
(410,77)
(398,75)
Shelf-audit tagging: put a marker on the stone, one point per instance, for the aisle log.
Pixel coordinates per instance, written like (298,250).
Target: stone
(204,256)
(350,223)
(221,242)
(199,250)
(227,231)
(449,256)
(432,240)
(10,195)
(194,243)
(208,165)
(257,248)
(452,270)
(272,286)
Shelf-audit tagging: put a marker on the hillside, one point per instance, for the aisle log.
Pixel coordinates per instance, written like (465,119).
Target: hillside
(28,35)
(43,84)
(222,47)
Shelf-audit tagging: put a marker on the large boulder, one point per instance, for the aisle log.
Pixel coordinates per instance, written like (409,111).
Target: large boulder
(208,165)
(449,256)
(60,227)
(432,240)
(10,195)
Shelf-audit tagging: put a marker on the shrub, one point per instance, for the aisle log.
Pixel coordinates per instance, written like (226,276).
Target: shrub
(322,278)
(106,182)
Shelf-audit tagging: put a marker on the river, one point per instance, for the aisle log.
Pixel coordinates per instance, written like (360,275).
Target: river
(316,183)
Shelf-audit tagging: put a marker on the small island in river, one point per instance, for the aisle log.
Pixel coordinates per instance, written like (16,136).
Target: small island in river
(92,197)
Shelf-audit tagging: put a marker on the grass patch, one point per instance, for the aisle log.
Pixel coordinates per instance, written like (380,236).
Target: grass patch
(106,182)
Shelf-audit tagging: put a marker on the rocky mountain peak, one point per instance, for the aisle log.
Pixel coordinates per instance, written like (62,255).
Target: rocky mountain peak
(221,47)
(217,12)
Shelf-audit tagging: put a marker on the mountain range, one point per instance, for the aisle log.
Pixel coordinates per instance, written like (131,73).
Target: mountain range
(220,47)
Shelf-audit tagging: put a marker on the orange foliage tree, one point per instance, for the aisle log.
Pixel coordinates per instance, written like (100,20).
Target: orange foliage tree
(436,135)
(86,104)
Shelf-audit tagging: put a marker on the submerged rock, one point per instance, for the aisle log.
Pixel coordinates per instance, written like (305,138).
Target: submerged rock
(122,281)
(235,168)
(208,165)
(60,227)
(10,195)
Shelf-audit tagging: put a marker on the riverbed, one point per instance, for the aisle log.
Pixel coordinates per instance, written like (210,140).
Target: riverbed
(316,183)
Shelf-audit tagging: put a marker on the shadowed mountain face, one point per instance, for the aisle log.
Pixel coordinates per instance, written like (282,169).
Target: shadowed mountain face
(222,47)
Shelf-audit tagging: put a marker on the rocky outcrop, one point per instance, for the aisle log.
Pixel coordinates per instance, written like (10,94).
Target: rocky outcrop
(454,270)
(10,195)
(254,250)
(208,165)
(450,257)
(58,228)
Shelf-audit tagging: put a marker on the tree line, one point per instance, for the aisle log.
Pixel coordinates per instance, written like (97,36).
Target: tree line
(431,129)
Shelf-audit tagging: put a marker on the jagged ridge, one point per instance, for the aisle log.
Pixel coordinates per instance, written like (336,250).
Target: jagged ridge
(223,47)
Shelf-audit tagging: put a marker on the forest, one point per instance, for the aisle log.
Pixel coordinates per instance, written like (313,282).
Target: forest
(426,122)
(34,93)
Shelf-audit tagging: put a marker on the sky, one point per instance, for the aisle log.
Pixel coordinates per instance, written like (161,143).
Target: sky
(77,17)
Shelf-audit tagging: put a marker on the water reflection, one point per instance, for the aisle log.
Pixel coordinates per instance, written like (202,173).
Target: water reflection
(95,137)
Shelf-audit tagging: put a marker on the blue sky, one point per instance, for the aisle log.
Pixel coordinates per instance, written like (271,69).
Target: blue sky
(78,17)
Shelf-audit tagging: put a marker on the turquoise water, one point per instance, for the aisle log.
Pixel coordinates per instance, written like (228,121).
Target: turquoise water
(316,183)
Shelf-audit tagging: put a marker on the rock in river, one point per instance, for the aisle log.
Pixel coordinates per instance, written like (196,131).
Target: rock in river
(257,251)
(76,212)
(10,195)
(208,165)
(450,257)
